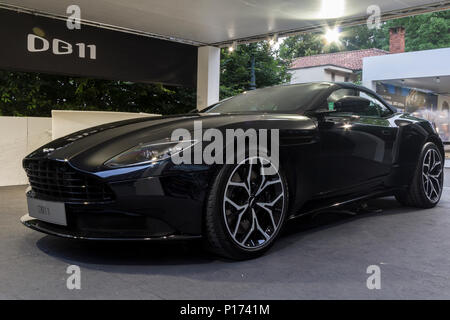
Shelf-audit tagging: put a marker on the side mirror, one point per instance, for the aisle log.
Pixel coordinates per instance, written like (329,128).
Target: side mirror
(351,104)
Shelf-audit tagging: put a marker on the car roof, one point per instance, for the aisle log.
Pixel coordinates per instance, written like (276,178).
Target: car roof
(339,84)
(350,85)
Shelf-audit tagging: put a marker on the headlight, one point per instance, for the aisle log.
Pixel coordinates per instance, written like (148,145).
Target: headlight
(148,153)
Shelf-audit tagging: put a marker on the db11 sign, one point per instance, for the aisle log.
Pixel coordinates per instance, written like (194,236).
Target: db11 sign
(41,44)
(58,47)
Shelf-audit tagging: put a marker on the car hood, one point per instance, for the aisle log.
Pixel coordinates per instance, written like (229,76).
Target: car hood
(89,149)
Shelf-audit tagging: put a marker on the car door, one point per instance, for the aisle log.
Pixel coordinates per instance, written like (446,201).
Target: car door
(357,138)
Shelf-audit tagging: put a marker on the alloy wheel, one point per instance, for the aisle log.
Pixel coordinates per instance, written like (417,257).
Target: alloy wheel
(432,175)
(253,203)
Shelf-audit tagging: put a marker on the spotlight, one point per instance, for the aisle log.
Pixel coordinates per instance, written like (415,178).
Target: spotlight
(332,35)
(273,40)
(232,47)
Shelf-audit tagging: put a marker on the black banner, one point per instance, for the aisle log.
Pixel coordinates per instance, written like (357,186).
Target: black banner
(40,44)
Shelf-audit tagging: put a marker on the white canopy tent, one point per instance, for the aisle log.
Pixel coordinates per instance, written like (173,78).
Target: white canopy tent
(215,22)
(211,24)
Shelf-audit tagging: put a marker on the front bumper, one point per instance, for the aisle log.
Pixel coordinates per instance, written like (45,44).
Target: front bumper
(167,204)
(156,208)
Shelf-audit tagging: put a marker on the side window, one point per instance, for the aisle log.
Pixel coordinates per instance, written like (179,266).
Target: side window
(341,93)
(355,102)
(376,105)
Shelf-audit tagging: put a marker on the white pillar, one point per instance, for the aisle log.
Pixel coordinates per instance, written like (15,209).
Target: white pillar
(208,76)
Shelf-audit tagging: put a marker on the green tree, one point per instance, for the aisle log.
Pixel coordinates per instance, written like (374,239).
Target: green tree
(236,68)
(307,44)
(423,32)
(361,37)
(36,94)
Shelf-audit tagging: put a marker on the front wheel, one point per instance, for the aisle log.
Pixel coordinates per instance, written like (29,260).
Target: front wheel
(426,188)
(246,209)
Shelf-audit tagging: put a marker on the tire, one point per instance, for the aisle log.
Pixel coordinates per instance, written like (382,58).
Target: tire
(238,222)
(426,186)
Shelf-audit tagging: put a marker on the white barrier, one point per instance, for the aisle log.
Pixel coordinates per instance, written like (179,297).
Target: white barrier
(20,136)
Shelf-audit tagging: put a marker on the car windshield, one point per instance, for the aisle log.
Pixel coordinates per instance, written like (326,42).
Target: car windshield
(279,99)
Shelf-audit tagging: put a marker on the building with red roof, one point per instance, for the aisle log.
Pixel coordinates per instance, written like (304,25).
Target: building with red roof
(342,66)
(339,66)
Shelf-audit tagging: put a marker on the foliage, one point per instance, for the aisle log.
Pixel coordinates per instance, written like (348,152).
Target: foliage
(36,94)
(301,45)
(423,32)
(236,68)
(361,37)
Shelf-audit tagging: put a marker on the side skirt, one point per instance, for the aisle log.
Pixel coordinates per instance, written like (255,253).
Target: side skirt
(338,203)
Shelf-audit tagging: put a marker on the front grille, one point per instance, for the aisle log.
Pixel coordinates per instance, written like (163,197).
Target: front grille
(57,180)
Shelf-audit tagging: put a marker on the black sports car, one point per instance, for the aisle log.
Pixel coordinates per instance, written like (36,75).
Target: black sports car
(338,143)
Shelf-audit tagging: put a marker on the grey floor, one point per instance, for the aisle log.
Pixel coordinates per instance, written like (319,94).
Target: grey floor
(323,258)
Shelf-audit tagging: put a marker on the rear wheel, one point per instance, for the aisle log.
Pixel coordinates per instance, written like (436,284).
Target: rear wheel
(246,209)
(426,187)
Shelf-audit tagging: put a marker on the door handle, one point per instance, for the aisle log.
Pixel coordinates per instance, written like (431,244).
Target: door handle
(386,132)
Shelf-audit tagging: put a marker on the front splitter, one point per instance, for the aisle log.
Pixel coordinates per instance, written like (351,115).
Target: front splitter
(55,230)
